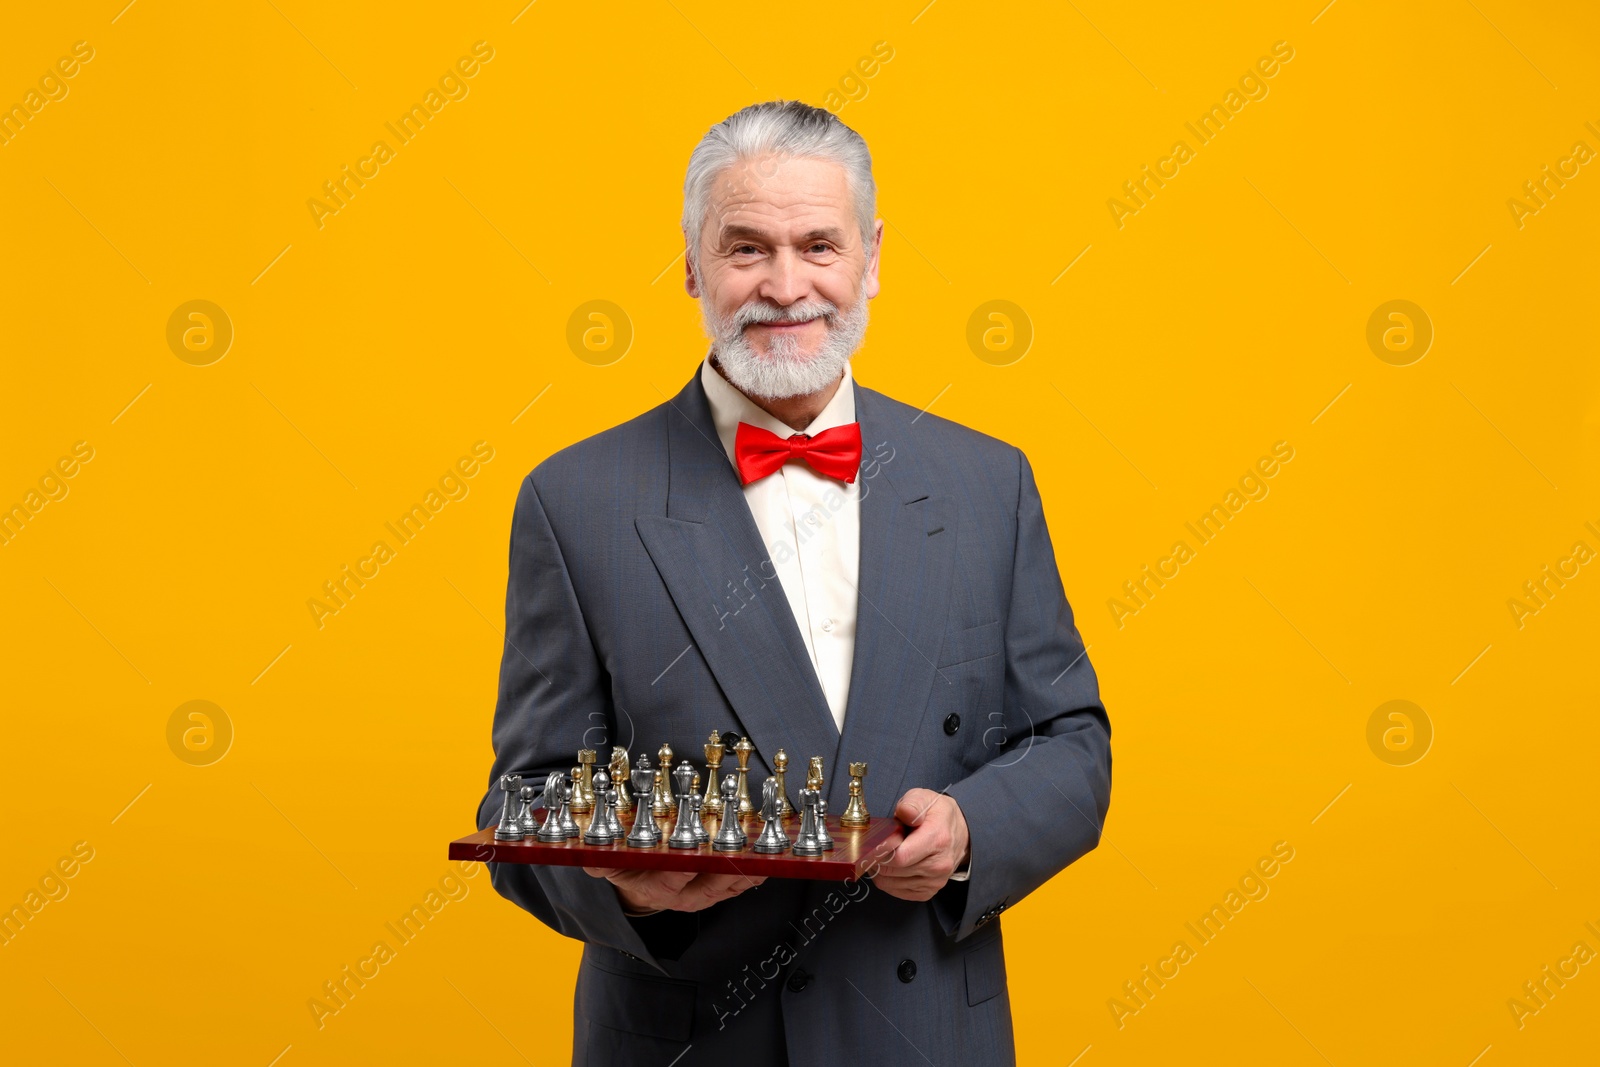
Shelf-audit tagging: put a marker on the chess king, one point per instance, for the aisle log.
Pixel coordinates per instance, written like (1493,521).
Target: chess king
(782,553)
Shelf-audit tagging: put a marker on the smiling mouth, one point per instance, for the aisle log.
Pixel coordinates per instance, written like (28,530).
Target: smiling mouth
(782,327)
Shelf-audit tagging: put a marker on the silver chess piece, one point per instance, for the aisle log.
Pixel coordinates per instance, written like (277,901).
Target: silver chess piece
(730,836)
(525,809)
(645,833)
(701,835)
(552,831)
(824,839)
(613,822)
(510,828)
(772,838)
(807,842)
(569,790)
(599,831)
(683,835)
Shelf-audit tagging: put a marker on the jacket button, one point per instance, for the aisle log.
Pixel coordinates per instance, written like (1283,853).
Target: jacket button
(799,980)
(952,723)
(729,739)
(907,970)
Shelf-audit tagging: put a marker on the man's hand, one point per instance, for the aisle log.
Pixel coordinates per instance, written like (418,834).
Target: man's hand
(644,891)
(915,864)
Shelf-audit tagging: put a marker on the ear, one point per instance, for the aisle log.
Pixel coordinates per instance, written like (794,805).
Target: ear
(869,279)
(689,284)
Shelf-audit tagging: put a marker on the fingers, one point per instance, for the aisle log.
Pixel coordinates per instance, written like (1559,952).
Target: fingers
(914,806)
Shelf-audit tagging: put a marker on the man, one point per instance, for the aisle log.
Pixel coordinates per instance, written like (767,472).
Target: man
(780,554)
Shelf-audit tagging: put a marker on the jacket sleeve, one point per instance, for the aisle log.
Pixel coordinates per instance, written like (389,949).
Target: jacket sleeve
(1033,810)
(554,697)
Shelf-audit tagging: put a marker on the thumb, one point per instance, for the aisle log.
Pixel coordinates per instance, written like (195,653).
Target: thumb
(913,807)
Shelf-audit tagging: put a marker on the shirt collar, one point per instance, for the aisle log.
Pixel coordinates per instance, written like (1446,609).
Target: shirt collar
(729,408)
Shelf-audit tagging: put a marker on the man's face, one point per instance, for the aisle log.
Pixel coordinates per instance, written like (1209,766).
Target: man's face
(784,274)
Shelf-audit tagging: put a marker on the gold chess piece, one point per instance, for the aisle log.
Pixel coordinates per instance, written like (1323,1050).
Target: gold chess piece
(814,774)
(742,750)
(712,804)
(855,812)
(572,805)
(780,763)
(583,790)
(661,802)
(619,778)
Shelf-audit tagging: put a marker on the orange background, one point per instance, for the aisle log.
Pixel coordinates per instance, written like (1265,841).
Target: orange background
(1229,313)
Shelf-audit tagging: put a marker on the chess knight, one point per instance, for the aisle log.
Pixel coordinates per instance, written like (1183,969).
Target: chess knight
(899,607)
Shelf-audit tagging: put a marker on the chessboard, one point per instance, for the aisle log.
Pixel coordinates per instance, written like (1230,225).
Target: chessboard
(851,857)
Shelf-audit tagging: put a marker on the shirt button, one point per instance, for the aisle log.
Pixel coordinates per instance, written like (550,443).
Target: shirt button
(827,626)
(907,970)
(811,520)
(952,723)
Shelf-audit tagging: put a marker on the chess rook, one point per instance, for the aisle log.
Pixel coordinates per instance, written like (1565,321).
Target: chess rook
(510,828)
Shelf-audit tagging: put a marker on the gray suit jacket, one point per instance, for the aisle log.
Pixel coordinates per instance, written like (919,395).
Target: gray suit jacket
(638,611)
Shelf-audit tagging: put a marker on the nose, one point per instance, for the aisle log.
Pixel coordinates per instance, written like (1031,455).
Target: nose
(785,281)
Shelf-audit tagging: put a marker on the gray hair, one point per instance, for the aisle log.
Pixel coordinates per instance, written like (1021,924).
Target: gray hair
(785,128)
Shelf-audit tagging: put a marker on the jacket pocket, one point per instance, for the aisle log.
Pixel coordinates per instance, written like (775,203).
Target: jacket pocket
(986,972)
(974,643)
(636,1004)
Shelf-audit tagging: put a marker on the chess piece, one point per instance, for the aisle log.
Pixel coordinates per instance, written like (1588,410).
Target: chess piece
(525,809)
(510,828)
(683,835)
(730,836)
(552,829)
(855,812)
(569,787)
(701,834)
(645,833)
(613,823)
(661,798)
(619,779)
(742,750)
(780,763)
(824,839)
(806,842)
(714,750)
(772,837)
(583,783)
(814,773)
(599,831)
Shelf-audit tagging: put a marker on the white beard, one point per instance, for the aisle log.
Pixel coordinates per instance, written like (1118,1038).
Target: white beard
(786,372)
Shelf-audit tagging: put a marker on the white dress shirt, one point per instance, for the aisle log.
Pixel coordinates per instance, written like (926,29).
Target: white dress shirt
(811,527)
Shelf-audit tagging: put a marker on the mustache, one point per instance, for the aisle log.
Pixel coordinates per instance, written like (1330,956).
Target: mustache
(764,313)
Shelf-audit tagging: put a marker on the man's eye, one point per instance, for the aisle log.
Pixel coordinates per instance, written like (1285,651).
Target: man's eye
(822,247)
(741,249)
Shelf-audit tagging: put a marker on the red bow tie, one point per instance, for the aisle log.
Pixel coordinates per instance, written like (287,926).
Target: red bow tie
(835,453)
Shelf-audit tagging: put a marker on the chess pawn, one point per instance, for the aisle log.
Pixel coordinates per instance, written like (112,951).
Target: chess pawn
(661,796)
(780,763)
(824,839)
(742,750)
(701,834)
(855,812)
(510,827)
(525,809)
(730,836)
(569,825)
(613,823)
(599,831)
(583,787)
(552,829)
(619,779)
(772,837)
(645,833)
(714,750)
(806,842)
(683,835)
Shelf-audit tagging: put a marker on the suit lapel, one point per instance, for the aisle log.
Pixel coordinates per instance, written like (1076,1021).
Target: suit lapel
(908,549)
(708,551)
